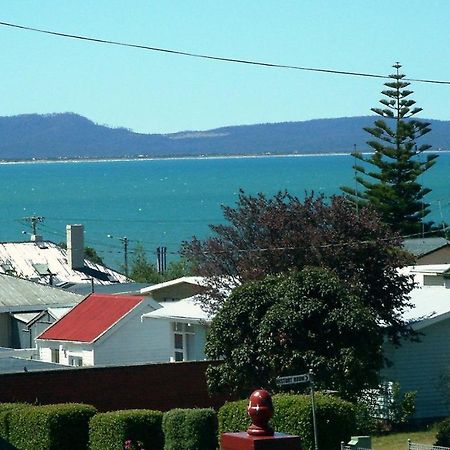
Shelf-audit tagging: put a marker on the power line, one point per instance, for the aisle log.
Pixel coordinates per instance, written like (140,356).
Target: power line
(212,57)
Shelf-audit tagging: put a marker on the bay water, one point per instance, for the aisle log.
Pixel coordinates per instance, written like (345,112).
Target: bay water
(163,202)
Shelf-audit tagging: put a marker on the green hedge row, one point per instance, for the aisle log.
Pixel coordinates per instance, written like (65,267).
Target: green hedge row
(109,431)
(50,427)
(190,429)
(293,414)
(78,427)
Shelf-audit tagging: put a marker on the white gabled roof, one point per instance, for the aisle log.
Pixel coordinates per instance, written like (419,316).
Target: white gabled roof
(37,260)
(431,305)
(185,310)
(198,281)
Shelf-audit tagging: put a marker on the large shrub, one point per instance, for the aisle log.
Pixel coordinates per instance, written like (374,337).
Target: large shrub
(190,429)
(443,433)
(293,415)
(51,427)
(109,431)
(5,420)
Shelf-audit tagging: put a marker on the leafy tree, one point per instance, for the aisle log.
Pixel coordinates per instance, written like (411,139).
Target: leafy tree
(390,184)
(267,236)
(89,252)
(143,271)
(92,255)
(287,324)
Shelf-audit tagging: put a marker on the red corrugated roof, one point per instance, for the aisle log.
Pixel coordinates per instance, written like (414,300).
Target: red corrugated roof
(91,317)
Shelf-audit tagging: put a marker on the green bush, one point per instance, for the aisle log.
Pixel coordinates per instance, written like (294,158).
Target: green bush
(232,417)
(109,431)
(51,427)
(443,433)
(293,415)
(190,429)
(5,418)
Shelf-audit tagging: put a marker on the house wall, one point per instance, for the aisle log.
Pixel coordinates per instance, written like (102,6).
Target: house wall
(439,256)
(135,341)
(66,350)
(40,326)
(5,330)
(196,344)
(176,292)
(20,336)
(424,367)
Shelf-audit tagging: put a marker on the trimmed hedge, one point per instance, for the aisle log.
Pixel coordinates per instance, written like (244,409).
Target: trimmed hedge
(5,413)
(190,429)
(443,433)
(51,427)
(109,431)
(293,415)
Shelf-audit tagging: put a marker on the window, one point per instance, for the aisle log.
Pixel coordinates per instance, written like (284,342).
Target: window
(55,355)
(76,361)
(181,332)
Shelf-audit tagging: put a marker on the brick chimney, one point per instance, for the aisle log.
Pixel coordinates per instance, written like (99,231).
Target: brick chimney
(75,246)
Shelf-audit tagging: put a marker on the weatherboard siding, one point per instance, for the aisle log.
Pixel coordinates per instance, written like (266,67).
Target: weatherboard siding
(134,342)
(424,367)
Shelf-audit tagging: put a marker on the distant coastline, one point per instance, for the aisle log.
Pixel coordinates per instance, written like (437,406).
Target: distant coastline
(187,157)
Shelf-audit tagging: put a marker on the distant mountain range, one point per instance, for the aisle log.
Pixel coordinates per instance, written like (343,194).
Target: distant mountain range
(70,136)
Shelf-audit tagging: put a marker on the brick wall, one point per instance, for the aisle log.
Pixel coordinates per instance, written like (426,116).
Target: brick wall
(155,386)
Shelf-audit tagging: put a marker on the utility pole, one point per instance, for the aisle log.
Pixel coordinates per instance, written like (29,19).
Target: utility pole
(125,242)
(34,220)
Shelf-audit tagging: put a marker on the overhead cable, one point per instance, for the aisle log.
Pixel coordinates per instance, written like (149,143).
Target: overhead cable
(212,57)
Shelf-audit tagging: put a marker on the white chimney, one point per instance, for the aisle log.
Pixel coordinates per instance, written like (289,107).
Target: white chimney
(75,246)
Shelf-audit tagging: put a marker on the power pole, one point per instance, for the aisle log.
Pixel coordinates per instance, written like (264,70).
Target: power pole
(34,220)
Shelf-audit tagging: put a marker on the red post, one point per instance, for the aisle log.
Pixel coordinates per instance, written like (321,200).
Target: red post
(259,436)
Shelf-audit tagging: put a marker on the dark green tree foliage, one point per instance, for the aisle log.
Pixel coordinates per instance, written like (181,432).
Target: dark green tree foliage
(391,183)
(267,236)
(142,270)
(288,324)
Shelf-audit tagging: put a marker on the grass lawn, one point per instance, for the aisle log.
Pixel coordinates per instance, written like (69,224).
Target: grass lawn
(399,441)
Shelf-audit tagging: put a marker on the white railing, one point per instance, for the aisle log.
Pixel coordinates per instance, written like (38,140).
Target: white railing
(416,446)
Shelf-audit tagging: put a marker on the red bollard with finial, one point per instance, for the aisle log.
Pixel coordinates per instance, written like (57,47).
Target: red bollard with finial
(259,436)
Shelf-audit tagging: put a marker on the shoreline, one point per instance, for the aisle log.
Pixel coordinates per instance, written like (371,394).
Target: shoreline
(172,158)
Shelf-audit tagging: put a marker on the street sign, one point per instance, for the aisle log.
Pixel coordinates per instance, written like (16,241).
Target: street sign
(293,379)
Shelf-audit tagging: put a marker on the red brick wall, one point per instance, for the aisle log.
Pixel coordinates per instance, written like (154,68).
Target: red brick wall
(154,386)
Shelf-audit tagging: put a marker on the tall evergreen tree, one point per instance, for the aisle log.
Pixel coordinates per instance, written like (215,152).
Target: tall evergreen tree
(391,183)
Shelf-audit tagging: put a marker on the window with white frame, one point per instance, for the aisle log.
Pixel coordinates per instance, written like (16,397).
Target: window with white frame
(181,334)
(55,355)
(76,361)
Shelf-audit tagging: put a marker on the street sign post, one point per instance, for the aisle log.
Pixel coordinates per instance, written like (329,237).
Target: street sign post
(298,379)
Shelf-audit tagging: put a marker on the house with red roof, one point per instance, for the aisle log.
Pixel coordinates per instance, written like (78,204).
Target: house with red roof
(103,329)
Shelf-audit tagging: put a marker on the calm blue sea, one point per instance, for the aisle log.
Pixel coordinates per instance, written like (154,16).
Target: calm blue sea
(162,202)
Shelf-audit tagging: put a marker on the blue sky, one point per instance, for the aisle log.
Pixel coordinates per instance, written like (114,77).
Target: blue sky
(152,92)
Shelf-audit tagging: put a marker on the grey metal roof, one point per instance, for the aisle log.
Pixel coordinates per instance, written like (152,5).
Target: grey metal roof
(423,246)
(11,364)
(21,295)
(116,288)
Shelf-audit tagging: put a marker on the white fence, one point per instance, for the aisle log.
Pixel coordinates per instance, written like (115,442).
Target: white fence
(411,446)
(416,446)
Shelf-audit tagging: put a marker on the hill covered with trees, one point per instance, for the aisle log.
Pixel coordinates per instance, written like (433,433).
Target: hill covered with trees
(69,135)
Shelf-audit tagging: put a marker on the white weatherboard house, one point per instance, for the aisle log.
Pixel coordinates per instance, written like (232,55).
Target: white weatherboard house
(424,366)
(182,326)
(103,329)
